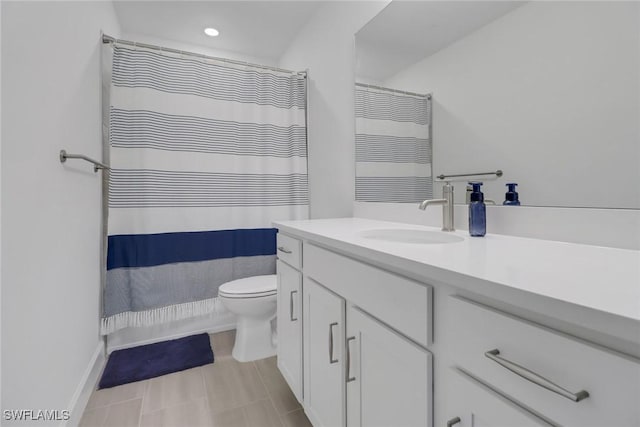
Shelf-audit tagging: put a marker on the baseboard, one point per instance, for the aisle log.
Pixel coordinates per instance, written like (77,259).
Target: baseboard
(85,387)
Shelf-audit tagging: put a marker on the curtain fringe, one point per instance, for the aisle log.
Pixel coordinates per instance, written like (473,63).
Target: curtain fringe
(160,315)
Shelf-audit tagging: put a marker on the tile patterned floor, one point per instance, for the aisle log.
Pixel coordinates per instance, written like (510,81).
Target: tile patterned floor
(226,393)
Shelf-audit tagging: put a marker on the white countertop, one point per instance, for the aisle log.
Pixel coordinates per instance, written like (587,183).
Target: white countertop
(599,278)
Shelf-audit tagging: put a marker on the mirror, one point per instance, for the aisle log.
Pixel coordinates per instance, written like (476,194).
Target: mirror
(547,92)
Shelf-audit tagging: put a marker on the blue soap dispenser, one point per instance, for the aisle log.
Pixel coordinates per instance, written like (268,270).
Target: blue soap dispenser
(511,196)
(477,212)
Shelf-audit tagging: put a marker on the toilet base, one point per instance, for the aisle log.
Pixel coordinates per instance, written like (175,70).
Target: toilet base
(253,340)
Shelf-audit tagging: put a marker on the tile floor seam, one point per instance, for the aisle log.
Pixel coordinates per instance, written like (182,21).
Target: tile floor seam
(112,404)
(164,408)
(106,417)
(240,406)
(293,410)
(273,405)
(233,408)
(266,389)
(141,403)
(206,396)
(264,383)
(180,402)
(110,408)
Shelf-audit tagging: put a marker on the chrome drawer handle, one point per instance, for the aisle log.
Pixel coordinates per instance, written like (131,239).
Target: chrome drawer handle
(349,377)
(283,249)
(535,378)
(291,306)
(331,359)
(453,421)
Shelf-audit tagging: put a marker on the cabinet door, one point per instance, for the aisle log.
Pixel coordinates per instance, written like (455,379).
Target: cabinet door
(323,325)
(389,378)
(469,403)
(290,327)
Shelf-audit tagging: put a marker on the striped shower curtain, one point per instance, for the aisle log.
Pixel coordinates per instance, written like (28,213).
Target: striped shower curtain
(204,156)
(393,146)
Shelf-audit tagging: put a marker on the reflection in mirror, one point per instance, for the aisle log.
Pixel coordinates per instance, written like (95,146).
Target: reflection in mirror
(548,92)
(393,145)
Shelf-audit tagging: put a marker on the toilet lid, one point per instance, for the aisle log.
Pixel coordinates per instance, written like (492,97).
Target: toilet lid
(250,287)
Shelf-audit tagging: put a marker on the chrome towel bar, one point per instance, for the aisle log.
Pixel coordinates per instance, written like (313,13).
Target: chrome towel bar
(96,164)
(497,173)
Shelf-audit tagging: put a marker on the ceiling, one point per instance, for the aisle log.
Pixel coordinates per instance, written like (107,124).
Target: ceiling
(262,29)
(405,32)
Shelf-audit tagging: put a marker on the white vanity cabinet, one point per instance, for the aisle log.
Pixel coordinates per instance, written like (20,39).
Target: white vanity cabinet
(289,312)
(359,370)
(513,346)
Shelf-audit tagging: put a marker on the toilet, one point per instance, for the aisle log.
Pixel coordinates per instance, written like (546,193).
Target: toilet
(253,301)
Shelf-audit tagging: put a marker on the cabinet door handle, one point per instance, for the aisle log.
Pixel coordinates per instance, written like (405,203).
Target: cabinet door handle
(331,359)
(291,306)
(283,249)
(453,421)
(349,377)
(535,378)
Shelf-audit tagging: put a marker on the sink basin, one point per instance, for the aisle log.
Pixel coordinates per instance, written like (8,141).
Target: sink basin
(410,236)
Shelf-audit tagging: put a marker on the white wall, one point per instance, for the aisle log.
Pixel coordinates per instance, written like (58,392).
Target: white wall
(51,212)
(326,46)
(0,208)
(550,93)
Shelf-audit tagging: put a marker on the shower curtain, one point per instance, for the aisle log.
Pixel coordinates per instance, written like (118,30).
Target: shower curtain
(204,155)
(393,146)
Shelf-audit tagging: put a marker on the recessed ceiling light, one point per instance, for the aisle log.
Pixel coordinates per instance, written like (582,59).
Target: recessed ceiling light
(212,32)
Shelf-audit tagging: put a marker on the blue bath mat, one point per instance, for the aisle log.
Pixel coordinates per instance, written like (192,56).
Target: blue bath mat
(152,360)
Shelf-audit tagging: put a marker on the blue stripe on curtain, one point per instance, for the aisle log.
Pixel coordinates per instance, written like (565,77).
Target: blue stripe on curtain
(145,250)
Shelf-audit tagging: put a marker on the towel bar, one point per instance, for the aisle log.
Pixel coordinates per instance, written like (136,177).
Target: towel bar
(96,164)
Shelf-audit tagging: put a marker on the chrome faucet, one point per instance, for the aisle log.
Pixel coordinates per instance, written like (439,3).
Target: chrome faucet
(447,206)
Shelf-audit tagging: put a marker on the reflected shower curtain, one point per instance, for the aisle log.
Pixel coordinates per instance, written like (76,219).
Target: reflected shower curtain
(393,146)
(204,156)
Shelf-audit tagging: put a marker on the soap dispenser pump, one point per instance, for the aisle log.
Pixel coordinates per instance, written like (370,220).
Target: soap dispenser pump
(477,211)
(511,196)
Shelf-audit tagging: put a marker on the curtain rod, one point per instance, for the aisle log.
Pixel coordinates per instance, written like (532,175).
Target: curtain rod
(388,89)
(109,39)
(497,173)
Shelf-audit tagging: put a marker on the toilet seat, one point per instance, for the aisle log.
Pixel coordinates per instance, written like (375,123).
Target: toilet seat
(250,287)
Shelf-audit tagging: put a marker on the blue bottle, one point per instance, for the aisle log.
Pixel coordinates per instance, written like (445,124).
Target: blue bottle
(477,212)
(511,196)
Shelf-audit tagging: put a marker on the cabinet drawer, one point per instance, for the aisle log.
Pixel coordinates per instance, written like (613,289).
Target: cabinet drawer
(469,403)
(401,303)
(546,357)
(289,250)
